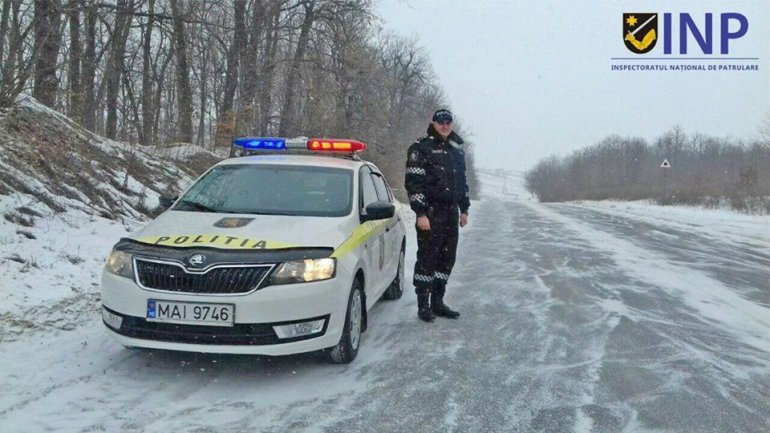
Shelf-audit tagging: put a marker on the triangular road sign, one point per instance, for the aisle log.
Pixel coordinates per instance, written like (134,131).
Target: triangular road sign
(665,164)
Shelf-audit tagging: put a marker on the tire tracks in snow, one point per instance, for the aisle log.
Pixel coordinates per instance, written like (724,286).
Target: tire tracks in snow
(688,352)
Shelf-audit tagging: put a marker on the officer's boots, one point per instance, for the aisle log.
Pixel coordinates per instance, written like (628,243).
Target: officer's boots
(438,306)
(423,307)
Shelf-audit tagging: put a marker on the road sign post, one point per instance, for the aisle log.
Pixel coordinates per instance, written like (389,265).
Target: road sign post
(665,165)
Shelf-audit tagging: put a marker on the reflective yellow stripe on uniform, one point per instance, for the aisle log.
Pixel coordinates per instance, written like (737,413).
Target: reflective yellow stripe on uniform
(214,241)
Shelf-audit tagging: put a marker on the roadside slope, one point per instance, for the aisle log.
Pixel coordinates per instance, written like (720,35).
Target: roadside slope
(66,195)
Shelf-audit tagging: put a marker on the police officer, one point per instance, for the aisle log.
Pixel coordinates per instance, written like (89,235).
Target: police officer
(435,182)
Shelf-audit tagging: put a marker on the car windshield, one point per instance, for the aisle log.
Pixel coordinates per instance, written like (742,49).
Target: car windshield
(272,190)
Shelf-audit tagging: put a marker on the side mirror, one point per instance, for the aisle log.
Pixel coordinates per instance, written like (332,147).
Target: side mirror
(379,210)
(166,201)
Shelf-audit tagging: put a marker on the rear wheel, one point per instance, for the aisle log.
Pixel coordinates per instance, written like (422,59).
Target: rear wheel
(346,350)
(396,288)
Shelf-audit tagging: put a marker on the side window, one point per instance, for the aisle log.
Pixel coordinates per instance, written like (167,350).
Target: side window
(379,185)
(368,191)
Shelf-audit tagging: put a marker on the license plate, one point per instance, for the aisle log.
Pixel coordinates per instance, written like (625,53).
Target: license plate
(190,313)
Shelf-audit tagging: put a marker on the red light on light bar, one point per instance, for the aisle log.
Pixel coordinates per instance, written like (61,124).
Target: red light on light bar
(335,145)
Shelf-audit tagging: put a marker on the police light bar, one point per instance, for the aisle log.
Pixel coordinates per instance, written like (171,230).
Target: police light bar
(335,145)
(249,145)
(270,143)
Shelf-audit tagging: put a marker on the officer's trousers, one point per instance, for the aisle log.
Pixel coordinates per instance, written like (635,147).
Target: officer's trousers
(436,249)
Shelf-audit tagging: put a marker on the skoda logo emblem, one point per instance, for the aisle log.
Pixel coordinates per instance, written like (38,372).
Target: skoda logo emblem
(197,260)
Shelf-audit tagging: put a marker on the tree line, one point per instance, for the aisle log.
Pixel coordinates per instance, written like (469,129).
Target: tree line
(703,170)
(157,71)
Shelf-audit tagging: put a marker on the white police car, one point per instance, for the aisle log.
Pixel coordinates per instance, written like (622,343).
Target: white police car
(273,254)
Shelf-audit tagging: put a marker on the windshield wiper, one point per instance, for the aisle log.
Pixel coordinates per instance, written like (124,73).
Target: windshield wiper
(198,206)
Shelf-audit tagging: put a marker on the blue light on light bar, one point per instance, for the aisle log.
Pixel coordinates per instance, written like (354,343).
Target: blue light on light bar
(261,143)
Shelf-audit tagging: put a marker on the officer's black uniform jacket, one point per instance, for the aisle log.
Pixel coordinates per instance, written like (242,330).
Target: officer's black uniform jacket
(435,173)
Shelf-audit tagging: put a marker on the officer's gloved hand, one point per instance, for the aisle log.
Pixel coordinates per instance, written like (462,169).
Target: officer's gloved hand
(423,223)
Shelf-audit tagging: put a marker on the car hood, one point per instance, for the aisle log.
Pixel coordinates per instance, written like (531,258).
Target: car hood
(234,231)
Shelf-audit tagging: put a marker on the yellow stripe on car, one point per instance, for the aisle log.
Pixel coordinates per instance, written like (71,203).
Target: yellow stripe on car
(361,234)
(215,241)
(364,232)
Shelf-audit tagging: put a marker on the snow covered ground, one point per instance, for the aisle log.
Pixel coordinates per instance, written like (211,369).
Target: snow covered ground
(581,317)
(66,196)
(50,272)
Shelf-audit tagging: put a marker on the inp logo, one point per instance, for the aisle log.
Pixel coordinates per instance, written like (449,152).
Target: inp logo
(640,31)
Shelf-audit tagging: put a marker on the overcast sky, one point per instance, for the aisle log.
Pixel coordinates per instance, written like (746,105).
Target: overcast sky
(530,79)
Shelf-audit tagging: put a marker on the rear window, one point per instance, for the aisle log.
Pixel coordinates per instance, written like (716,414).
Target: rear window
(272,190)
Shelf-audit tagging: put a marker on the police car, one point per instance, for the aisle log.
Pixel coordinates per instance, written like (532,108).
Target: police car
(281,250)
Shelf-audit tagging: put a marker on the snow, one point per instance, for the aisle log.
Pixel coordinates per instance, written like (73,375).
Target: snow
(583,423)
(27,101)
(183,151)
(711,298)
(584,261)
(55,274)
(737,226)
(51,267)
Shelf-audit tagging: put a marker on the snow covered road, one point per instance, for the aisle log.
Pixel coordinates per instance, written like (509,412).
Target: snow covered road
(575,318)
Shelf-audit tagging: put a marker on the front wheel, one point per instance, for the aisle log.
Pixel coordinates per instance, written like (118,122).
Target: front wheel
(396,288)
(346,350)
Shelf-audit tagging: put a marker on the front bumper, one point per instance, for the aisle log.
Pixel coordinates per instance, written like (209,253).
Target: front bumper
(255,315)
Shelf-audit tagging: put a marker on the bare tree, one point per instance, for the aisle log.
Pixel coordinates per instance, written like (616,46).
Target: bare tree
(268,73)
(705,170)
(115,67)
(4,18)
(14,70)
(289,115)
(154,71)
(251,56)
(88,109)
(159,77)
(147,83)
(225,123)
(184,92)
(73,73)
(764,129)
(47,42)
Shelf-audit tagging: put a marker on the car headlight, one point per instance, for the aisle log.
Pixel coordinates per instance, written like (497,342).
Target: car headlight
(303,271)
(119,263)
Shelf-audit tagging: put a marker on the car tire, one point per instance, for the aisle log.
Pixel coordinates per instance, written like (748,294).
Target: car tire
(347,348)
(396,288)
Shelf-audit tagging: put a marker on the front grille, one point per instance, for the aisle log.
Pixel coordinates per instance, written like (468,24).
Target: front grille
(220,280)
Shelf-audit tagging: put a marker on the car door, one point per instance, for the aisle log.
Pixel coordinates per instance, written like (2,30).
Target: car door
(391,235)
(374,247)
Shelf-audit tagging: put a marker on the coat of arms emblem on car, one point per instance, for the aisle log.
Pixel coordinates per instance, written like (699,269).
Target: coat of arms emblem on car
(196,260)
